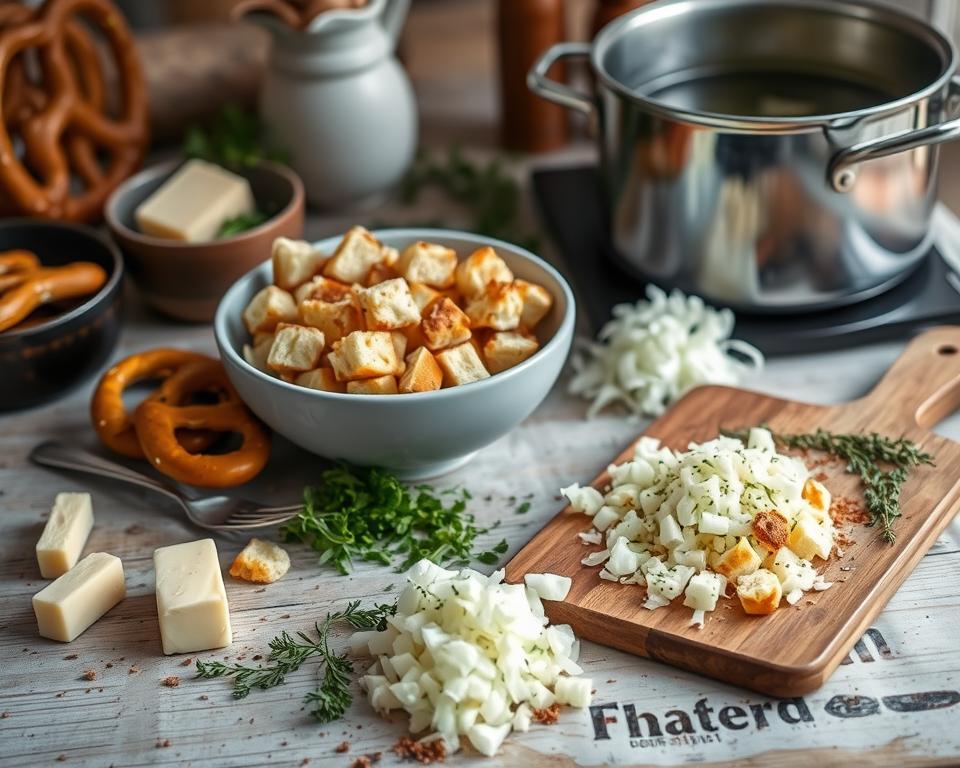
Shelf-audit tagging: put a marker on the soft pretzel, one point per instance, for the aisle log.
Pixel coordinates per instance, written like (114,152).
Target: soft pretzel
(158,418)
(110,418)
(15,267)
(61,119)
(48,284)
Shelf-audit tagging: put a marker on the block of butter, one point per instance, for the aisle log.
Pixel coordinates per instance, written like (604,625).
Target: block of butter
(65,533)
(193,203)
(191,601)
(82,595)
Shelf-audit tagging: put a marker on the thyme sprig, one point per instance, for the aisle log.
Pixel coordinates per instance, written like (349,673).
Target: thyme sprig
(882,463)
(288,653)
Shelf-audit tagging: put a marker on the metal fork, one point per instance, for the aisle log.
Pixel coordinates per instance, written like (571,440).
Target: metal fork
(214,513)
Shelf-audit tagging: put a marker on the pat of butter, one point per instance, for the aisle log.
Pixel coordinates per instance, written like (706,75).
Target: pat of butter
(65,533)
(191,601)
(82,595)
(193,203)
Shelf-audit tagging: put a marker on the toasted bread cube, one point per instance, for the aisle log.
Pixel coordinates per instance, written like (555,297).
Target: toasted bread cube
(793,572)
(270,306)
(400,346)
(737,561)
(444,325)
(505,349)
(811,537)
(335,318)
(818,497)
(323,379)
(499,306)
(322,289)
(295,348)
(390,256)
(423,374)
(357,253)
(365,355)
(256,354)
(536,303)
(428,263)
(261,562)
(759,592)
(388,306)
(770,529)
(461,365)
(381,385)
(414,337)
(380,273)
(480,268)
(294,262)
(423,295)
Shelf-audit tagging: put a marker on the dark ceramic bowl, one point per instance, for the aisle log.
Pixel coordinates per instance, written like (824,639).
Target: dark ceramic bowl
(43,361)
(187,280)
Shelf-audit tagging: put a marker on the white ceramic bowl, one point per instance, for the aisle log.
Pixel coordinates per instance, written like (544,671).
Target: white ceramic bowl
(415,435)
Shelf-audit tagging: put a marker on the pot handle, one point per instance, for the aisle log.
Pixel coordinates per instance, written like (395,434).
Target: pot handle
(551,90)
(842,172)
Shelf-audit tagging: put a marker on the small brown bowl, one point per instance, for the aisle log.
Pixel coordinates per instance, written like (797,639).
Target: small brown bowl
(187,280)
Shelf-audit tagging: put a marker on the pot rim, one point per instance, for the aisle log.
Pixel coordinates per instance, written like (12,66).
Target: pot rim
(651,12)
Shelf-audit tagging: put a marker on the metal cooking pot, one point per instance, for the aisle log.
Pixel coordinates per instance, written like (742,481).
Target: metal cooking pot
(771,155)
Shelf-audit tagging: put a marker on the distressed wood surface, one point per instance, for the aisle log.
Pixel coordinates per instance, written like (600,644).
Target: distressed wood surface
(922,386)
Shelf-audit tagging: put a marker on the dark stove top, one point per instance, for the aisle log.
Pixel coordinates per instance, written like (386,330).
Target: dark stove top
(929,296)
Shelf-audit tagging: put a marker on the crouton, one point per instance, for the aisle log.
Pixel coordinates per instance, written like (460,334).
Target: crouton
(423,295)
(323,379)
(810,537)
(481,267)
(737,561)
(818,497)
(770,529)
(365,355)
(270,306)
(294,262)
(388,306)
(423,374)
(428,263)
(444,325)
(322,289)
(536,303)
(256,353)
(381,385)
(380,273)
(414,336)
(390,256)
(498,306)
(759,592)
(505,349)
(295,348)
(357,253)
(400,344)
(335,318)
(461,365)
(261,562)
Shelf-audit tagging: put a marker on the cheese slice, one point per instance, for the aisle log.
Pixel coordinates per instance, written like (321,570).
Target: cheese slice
(65,533)
(82,595)
(193,203)
(191,601)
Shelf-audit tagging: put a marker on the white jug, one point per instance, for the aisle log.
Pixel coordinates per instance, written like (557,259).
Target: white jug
(335,98)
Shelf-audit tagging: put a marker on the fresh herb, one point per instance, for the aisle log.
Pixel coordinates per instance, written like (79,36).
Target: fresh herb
(241,223)
(235,138)
(488,191)
(288,653)
(523,508)
(370,515)
(882,463)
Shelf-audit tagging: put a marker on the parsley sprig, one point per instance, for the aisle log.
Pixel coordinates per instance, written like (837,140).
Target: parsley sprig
(882,463)
(370,515)
(288,653)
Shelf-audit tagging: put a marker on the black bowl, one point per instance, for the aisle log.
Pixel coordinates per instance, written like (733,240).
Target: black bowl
(43,361)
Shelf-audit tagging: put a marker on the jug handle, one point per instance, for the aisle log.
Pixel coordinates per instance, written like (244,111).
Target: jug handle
(394,14)
(842,172)
(551,90)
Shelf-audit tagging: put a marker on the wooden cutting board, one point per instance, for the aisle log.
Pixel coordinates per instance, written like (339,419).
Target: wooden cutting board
(794,650)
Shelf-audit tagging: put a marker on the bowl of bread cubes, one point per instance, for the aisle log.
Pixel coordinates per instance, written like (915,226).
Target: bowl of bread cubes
(408,349)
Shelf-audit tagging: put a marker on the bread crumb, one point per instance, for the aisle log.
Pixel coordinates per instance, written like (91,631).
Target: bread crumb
(186,662)
(547,715)
(426,753)
(172,681)
(89,674)
(343,746)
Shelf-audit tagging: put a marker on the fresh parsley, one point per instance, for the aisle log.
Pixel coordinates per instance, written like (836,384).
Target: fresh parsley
(234,138)
(287,653)
(241,223)
(370,515)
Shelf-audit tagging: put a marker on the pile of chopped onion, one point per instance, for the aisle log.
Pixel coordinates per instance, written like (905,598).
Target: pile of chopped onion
(653,351)
(466,654)
(682,523)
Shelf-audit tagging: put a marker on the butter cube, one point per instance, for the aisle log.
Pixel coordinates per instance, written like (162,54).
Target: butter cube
(193,203)
(65,533)
(69,605)
(191,601)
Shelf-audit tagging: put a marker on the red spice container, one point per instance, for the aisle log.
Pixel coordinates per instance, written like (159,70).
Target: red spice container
(526,29)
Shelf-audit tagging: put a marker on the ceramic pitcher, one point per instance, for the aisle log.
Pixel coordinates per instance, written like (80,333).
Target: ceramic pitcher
(335,98)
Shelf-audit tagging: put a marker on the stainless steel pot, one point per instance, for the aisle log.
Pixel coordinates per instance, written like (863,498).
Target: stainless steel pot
(771,155)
